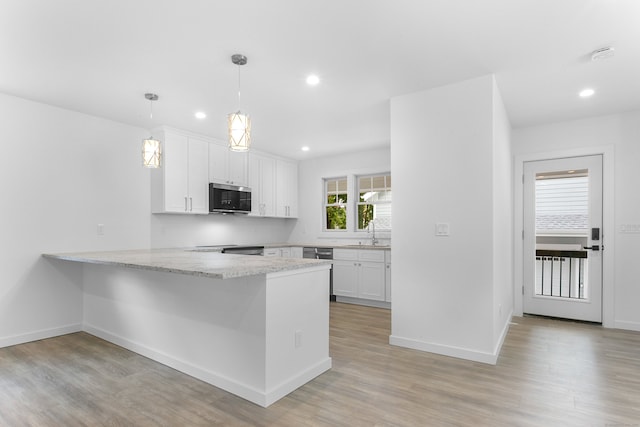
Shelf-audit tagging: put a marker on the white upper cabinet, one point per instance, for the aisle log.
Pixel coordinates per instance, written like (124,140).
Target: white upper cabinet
(262,179)
(274,186)
(287,189)
(226,166)
(191,162)
(181,185)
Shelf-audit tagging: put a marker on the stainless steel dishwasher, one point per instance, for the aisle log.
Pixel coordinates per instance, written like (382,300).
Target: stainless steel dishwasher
(321,253)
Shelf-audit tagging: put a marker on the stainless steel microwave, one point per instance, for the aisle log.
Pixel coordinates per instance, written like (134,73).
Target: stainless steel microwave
(225,198)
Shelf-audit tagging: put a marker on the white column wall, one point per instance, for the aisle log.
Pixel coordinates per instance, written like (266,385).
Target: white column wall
(442,156)
(502,221)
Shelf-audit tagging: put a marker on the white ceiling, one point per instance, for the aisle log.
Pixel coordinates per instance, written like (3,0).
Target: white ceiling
(100,57)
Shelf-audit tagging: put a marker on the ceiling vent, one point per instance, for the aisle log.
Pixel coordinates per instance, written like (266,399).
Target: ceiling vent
(602,53)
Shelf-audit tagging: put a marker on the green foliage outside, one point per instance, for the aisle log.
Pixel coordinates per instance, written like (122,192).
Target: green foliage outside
(336,218)
(336,215)
(365,215)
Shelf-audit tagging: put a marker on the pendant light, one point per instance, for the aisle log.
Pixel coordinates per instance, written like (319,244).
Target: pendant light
(239,124)
(151,150)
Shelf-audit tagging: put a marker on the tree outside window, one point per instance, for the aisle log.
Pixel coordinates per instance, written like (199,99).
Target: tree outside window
(336,204)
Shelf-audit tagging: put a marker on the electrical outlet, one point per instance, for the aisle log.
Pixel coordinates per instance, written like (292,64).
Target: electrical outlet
(100,229)
(298,339)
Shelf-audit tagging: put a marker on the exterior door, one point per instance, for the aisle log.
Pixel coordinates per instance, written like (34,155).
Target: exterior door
(563,238)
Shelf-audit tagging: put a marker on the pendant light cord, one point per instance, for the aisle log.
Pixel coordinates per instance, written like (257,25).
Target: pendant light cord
(239,88)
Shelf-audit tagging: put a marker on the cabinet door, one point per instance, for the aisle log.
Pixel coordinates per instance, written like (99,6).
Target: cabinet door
(218,165)
(345,278)
(267,186)
(285,252)
(293,190)
(237,168)
(176,181)
(387,287)
(296,252)
(286,188)
(255,179)
(371,280)
(198,168)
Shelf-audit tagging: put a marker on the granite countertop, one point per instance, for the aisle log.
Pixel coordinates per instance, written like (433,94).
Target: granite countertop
(196,263)
(325,245)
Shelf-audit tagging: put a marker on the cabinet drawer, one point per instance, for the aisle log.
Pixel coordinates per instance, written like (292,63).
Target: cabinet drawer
(371,255)
(346,254)
(272,252)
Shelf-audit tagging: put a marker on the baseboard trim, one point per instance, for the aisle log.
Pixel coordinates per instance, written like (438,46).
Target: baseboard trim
(366,302)
(249,393)
(629,326)
(503,336)
(40,335)
(299,380)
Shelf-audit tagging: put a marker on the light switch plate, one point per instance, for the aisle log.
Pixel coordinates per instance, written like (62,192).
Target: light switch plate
(442,229)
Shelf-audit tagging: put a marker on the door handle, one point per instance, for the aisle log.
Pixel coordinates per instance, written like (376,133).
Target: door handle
(593,248)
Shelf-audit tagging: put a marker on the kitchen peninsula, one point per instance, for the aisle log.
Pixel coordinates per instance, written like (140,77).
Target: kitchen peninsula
(254,326)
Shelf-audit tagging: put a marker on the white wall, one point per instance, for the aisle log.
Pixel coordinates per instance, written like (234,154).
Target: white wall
(61,174)
(502,220)
(196,230)
(442,157)
(622,131)
(308,229)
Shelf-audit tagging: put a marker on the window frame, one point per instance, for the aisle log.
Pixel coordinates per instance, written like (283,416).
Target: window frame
(353,196)
(359,203)
(326,204)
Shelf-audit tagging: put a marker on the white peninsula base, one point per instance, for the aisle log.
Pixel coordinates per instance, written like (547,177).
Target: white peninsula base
(259,337)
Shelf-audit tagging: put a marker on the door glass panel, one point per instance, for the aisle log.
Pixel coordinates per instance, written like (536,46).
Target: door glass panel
(562,222)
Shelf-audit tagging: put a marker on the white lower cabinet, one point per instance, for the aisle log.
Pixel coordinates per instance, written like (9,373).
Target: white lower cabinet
(272,252)
(387,258)
(359,273)
(284,252)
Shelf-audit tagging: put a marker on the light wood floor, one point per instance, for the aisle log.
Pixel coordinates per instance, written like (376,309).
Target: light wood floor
(550,373)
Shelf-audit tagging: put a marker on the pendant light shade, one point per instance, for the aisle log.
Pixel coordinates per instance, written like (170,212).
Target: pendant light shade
(151,153)
(239,131)
(239,124)
(151,148)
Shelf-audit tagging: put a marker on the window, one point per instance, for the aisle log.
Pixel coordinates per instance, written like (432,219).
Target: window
(562,204)
(374,201)
(335,204)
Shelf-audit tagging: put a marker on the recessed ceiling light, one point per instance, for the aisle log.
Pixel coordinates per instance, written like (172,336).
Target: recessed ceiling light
(586,93)
(305,148)
(200,115)
(313,80)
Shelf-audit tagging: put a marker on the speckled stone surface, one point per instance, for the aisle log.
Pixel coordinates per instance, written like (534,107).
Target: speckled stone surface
(207,264)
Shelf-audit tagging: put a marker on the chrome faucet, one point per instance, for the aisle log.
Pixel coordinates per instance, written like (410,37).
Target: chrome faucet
(372,226)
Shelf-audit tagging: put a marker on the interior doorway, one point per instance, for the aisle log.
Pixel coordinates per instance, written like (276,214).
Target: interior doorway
(562,241)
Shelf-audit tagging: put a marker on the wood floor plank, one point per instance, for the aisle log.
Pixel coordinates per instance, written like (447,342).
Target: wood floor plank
(550,373)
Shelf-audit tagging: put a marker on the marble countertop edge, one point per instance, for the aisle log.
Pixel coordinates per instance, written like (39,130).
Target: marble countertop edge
(180,261)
